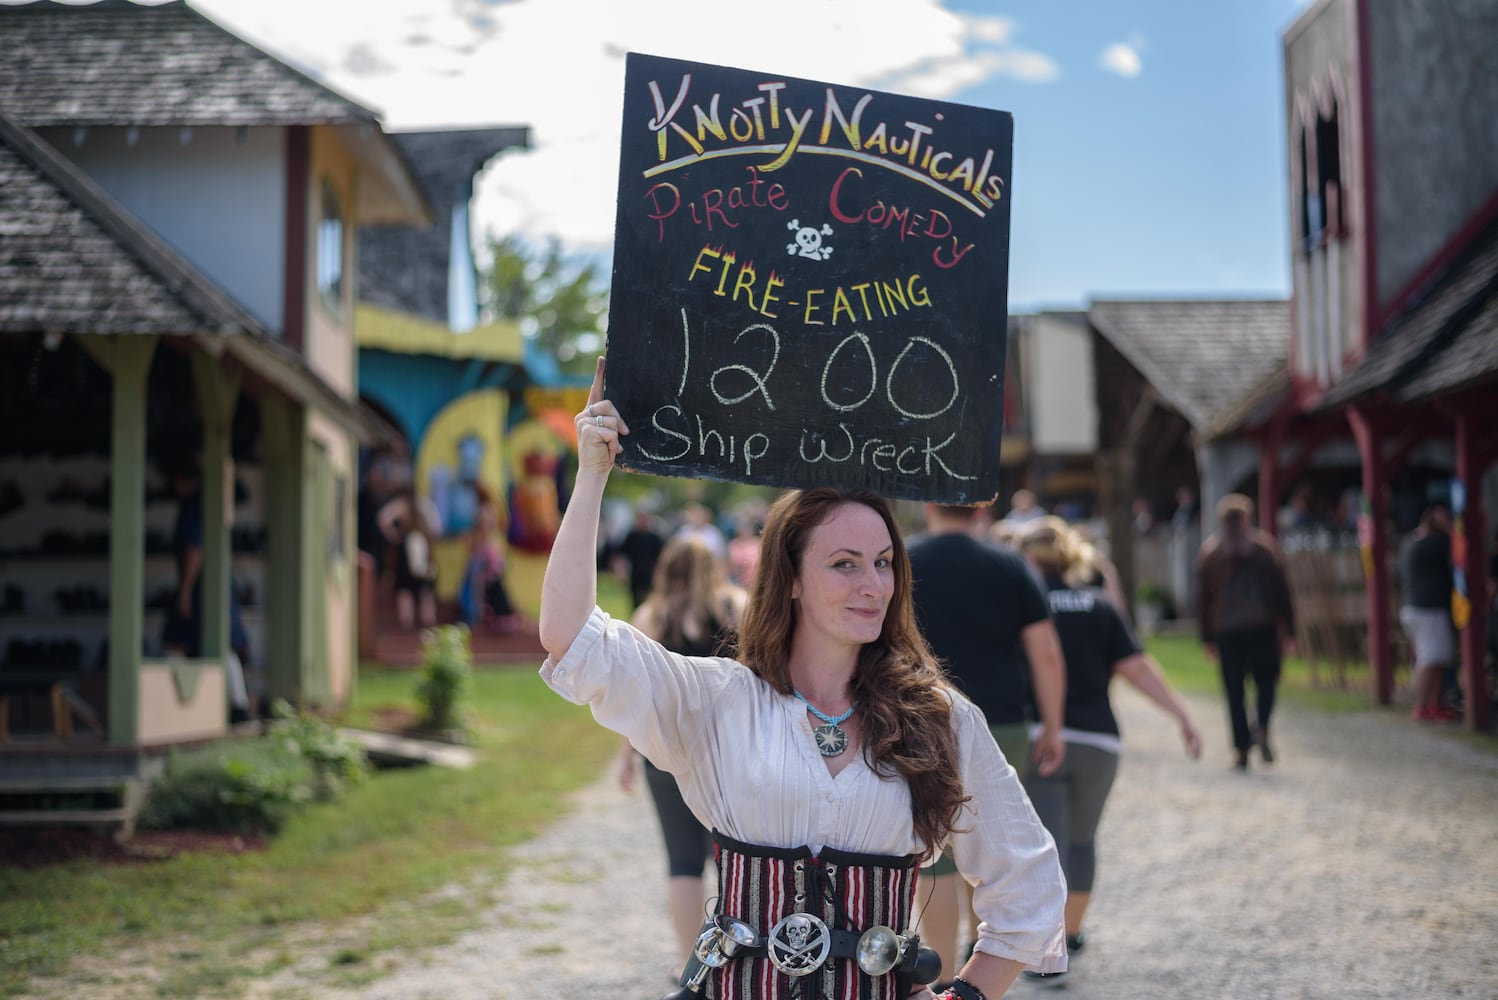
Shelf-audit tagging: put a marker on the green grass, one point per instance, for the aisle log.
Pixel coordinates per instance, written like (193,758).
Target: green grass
(399,836)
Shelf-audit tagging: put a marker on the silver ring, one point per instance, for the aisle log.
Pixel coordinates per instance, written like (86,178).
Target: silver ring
(598,420)
(590,409)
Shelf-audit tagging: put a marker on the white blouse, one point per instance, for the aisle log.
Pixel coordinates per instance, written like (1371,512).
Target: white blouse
(746,762)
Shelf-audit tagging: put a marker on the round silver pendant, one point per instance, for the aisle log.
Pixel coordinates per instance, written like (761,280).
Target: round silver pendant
(831,739)
(799,944)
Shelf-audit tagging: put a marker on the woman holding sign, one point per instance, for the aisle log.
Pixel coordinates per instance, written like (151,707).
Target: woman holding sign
(828,758)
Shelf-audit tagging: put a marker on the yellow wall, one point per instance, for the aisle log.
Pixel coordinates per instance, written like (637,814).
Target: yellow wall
(341,593)
(329,341)
(478,414)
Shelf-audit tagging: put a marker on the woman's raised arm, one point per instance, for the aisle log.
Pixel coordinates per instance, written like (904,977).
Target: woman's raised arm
(570,589)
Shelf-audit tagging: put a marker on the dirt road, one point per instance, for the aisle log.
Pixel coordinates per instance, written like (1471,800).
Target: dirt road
(1363,864)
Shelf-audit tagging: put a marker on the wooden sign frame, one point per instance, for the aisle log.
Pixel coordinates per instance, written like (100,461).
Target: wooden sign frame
(810,283)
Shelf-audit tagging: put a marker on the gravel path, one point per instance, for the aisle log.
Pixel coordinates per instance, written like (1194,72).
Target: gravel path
(1364,864)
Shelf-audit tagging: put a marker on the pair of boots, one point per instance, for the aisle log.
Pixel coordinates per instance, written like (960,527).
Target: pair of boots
(1259,738)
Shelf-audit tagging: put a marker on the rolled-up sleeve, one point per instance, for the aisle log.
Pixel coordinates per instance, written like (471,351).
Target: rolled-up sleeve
(661,701)
(1001,847)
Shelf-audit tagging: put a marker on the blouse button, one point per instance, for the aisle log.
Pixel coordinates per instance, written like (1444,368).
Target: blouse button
(559,673)
(831,797)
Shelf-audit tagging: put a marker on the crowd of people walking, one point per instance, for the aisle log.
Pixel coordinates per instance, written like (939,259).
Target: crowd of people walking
(1027,618)
(1016,624)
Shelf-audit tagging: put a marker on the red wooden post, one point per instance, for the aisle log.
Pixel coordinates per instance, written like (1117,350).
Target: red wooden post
(1380,656)
(1469,469)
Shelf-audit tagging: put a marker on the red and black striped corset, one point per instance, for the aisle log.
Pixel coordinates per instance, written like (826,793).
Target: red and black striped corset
(846,891)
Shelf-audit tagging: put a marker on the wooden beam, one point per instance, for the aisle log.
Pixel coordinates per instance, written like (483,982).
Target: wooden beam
(217,388)
(1376,558)
(128,360)
(283,434)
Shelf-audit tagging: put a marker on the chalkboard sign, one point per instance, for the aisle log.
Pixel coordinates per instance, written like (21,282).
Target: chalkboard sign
(810,283)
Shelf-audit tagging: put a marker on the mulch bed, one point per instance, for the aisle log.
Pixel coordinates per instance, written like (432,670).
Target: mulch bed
(41,846)
(37,847)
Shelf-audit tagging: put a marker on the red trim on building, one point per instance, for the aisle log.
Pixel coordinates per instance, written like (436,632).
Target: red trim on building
(1367,237)
(298,170)
(1442,258)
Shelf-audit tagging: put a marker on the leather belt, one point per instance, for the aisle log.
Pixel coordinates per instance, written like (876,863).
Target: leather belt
(843,944)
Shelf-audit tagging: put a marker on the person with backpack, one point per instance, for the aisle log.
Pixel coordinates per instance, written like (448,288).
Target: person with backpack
(1245,618)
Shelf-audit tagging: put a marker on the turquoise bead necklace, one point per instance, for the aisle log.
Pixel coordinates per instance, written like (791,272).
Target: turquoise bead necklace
(832,739)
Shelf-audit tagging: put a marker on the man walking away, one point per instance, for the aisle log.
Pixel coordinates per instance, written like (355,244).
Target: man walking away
(1245,617)
(984,613)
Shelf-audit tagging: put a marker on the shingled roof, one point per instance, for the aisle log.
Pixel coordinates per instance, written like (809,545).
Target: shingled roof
(1201,356)
(72,261)
(405,268)
(1445,341)
(121,63)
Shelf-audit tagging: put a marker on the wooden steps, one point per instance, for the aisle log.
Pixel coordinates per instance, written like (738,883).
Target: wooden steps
(23,798)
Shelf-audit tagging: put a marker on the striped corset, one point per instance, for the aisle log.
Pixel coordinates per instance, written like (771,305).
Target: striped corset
(848,892)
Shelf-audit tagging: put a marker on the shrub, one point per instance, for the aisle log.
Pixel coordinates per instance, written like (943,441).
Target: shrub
(446,678)
(1150,592)
(254,787)
(337,763)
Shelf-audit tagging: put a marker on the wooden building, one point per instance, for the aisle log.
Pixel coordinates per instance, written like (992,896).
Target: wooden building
(177,219)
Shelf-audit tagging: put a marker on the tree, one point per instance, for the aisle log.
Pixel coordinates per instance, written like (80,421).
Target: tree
(560,301)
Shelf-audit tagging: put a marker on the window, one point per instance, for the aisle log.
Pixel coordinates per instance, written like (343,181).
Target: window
(1320,209)
(1329,172)
(330,270)
(1309,212)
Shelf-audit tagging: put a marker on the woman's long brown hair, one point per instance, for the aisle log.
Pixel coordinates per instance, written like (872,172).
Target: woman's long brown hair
(900,688)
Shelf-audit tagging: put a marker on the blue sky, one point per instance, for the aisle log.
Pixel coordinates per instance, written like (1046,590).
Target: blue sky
(1171,181)
(1149,158)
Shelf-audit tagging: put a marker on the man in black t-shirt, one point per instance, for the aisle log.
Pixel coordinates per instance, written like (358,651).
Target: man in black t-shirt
(641,549)
(1426,578)
(984,614)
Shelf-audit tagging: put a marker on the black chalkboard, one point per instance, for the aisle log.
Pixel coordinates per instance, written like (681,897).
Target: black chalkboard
(810,283)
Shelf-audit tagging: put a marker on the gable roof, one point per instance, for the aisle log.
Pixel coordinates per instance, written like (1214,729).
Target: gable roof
(72,261)
(406,268)
(117,63)
(1445,341)
(120,63)
(1201,356)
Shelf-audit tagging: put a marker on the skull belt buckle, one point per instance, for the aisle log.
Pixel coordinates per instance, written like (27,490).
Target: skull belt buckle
(799,944)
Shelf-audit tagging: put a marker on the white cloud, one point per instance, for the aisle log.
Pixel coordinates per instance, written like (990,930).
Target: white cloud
(993,30)
(558,66)
(1122,58)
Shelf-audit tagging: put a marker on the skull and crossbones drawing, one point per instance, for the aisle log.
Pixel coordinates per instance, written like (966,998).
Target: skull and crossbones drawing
(809,241)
